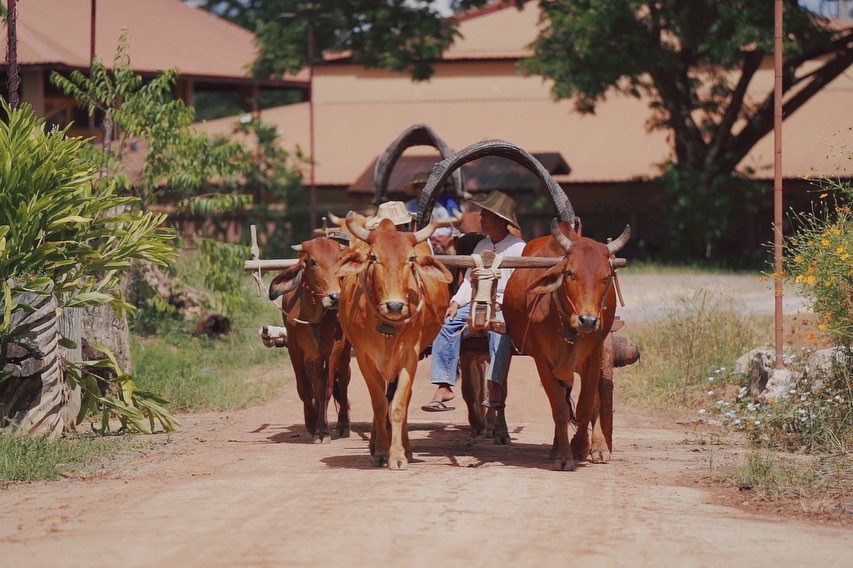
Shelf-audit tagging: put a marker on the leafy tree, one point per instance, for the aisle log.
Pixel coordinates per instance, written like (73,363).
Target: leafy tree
(693,60)
(179,161)
(395,34)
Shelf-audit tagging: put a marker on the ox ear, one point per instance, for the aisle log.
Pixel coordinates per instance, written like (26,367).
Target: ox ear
(286,281)
(548,282)
(352,262)
(429,267)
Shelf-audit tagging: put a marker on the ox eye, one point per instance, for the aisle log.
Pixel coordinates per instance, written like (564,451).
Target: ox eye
(312,263)
(413,258)
(373,257)
(568,274)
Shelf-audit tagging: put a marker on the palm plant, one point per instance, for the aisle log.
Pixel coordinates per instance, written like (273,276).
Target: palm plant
(66,237)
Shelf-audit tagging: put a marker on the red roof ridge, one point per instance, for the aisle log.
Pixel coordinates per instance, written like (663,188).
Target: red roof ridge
(482,11)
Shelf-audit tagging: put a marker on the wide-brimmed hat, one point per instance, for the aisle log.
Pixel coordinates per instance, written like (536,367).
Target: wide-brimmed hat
(419,179)
(501,205)
(394,210)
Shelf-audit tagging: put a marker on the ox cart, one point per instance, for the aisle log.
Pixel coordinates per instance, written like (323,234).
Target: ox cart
(446,175)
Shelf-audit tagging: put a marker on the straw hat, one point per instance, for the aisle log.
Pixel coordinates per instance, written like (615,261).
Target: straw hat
(501,205)
(394,210)
(419,179)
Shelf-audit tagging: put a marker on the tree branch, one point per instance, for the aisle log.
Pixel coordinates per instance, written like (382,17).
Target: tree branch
(751,63)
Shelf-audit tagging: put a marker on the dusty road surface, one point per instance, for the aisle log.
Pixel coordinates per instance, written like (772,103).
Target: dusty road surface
(249,489)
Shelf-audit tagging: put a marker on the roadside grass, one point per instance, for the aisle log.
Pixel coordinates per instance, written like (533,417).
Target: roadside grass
(687,355)
(808,484)
(800,459)
(26,458)
(201,373)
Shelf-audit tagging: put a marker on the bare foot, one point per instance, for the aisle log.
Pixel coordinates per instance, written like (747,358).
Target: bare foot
(443,393)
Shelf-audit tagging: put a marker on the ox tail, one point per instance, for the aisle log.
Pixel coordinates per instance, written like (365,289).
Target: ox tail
(338,395)
(573,419)
(391,389)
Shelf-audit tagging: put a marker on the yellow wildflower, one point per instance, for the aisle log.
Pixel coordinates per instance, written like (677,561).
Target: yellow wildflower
(824,242)
(810,279)
(821,326)
(839,250)
(845,256)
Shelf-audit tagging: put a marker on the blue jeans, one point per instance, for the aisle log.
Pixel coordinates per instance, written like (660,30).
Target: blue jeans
(448,342)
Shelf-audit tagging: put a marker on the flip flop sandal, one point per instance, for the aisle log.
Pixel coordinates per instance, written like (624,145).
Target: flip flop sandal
(437,406)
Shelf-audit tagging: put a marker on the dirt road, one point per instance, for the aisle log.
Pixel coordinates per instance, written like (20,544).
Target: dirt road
(249,489)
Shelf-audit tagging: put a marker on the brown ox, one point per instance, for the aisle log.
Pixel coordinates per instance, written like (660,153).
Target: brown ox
(318,350)
(393,298)
(561,316)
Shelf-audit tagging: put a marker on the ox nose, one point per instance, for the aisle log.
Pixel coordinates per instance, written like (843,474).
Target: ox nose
(587,322)
(394,307)
(333,299)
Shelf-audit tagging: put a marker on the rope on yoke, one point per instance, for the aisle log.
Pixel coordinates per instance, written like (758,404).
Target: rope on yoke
(484,280)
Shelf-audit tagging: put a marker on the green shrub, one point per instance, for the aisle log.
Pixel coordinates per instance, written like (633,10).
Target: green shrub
(820,259)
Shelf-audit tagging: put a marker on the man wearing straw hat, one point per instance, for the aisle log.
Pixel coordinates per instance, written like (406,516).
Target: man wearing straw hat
(496,216)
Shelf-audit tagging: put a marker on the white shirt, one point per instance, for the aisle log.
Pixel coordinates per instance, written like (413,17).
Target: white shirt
(509,246)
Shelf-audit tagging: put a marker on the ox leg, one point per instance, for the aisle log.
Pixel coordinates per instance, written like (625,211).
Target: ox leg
(555,390)
(379,435)
(472,370)
(590,375)
(340,376)
(304,390)
(605,392)
(321,394)
(496,415)
(500,358)
(397,456)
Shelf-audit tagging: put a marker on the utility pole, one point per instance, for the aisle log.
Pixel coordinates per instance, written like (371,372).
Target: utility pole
(777,179)
(14,80)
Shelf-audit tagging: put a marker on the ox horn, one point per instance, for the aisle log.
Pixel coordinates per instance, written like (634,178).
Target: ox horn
(558,235)
(334,219)
(621,240)
(443,170)
(355,228)
(297,248)
(424,233)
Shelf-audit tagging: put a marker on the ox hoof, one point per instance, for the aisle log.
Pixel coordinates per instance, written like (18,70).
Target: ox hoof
(599,455)
(378,460)
(322,439)
(398,464)
(343,432)
(501,438)
(564,464)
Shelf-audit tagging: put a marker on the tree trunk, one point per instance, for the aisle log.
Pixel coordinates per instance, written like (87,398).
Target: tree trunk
(37,398)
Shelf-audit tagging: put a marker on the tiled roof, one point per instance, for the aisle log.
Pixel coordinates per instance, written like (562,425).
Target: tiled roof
(163,34)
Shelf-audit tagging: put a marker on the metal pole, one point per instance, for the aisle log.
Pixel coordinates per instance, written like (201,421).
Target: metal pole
(13,81)
(313,186)
(93,10)
(777,179)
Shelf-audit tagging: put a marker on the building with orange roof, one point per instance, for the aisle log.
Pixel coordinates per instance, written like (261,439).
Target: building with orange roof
(477,93)
(209,52)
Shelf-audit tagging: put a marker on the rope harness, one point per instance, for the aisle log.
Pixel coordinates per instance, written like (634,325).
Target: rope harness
(484,289)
